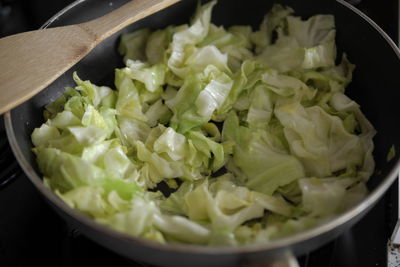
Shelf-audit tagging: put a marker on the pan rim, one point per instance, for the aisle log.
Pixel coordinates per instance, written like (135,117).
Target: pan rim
(272,245)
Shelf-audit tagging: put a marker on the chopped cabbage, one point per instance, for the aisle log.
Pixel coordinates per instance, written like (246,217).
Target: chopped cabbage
(213,135)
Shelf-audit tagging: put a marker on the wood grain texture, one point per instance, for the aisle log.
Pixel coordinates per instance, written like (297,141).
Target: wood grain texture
(30,61)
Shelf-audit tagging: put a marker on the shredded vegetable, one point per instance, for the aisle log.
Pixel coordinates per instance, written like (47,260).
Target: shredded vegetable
(213,135)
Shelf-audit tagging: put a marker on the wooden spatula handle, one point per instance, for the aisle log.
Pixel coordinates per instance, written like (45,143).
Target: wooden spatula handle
(30,61)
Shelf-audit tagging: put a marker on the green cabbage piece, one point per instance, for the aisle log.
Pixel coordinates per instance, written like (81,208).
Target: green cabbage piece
(212,135)
(391,154)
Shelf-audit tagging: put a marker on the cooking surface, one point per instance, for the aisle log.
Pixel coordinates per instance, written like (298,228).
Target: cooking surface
(31,234)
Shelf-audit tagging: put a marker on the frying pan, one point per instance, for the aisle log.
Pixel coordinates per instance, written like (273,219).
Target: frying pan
(376,87)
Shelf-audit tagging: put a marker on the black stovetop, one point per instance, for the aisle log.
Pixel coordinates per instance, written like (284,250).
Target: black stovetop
(31,234)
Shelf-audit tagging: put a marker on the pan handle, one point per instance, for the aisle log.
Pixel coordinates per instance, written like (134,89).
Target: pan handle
(285,259)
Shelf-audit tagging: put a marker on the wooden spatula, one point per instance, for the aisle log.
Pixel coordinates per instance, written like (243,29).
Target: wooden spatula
(30,61)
